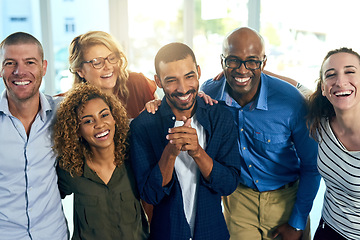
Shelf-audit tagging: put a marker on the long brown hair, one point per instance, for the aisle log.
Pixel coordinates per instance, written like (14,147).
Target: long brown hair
(319,106)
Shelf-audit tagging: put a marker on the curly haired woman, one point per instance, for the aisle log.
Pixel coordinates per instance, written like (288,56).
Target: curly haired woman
(90,138)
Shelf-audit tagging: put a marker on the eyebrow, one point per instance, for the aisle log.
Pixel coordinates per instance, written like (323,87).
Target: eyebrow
(349,66)
(189,73)
(31,58)
(333,69)
(330,69)
(172,77)
(168,78)
(249,57)
(92,115)
(26,59)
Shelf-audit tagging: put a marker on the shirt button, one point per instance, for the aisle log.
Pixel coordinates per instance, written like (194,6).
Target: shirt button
(250,165)
(173,118)
(242,129)
(244,148)
(268,140)
(257,181)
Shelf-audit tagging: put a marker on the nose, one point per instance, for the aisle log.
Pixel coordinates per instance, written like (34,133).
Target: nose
(107,64)
(181,88)
(341,80)
(242,69)
(99,124)
(19,69)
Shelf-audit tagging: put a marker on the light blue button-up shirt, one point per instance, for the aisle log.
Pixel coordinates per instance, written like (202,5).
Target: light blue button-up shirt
(30,203)
(274,141)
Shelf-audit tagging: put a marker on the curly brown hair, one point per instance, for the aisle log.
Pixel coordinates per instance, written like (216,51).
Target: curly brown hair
(73,151)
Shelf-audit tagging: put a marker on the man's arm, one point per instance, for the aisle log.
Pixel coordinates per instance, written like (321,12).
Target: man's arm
(306,149)
(186,138)
(222,148)
(64,179)
(306,92)
(155,177)
(145,147)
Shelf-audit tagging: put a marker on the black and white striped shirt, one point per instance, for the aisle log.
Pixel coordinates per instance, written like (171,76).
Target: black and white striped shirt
(340,170)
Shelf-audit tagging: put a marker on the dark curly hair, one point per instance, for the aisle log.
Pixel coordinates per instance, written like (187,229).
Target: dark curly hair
(73,151)
(319,106)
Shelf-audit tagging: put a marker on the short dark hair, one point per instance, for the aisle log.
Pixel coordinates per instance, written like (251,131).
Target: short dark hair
(21,38)
(173,52)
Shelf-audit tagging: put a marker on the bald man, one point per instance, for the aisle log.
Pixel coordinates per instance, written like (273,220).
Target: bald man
(279,178)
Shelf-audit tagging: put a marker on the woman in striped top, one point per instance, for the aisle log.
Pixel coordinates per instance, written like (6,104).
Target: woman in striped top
(334,120)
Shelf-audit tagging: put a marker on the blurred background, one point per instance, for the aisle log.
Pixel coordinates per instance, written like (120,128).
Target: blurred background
(298,34)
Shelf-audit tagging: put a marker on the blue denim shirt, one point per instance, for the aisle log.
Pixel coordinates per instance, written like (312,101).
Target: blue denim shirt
(147,143)
(274,141)
(30,204)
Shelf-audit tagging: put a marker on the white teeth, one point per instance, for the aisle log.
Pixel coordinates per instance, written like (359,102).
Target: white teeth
(241,80)
(343,93)
(22,83)
(183,98)
(108,75)
(100,135)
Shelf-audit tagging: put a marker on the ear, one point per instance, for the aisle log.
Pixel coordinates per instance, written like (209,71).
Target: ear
(157,80)
(44,66)
(199,71)
(322,89)
(264,63)
(222,62)
(80,73)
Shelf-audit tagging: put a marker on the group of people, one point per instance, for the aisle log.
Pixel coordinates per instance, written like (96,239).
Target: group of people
(260,150)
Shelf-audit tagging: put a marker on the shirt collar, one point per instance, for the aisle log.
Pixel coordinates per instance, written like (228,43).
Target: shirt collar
(45,106)
(260,101)
(4,107)
(44,101)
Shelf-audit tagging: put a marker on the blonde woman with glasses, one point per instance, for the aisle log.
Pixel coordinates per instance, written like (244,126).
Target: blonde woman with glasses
(97,58)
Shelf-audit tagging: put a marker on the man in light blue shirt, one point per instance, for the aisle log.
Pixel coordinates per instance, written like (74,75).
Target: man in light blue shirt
(279,177)
(30,204)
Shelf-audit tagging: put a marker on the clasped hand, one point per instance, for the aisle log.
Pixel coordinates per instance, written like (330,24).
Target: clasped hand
(183,138)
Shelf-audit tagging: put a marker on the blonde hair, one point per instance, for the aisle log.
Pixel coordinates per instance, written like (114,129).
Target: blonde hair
(83,42)
(72,150)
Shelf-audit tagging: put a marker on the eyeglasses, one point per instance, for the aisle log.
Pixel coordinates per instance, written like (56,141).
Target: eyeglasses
(100,61)
(235,63)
